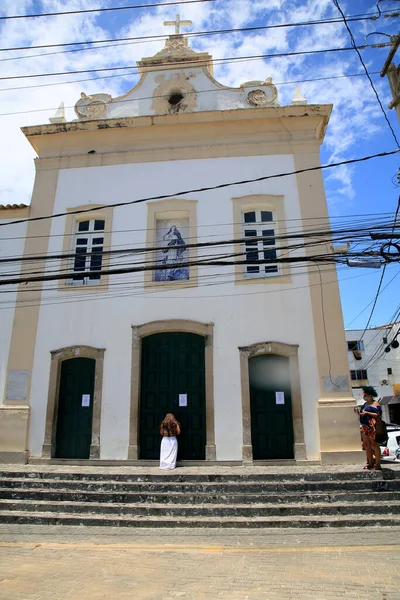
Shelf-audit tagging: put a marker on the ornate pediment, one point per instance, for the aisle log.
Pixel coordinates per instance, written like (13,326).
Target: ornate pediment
(176,50)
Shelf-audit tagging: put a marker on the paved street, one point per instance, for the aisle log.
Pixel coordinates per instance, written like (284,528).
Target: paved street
(68,563)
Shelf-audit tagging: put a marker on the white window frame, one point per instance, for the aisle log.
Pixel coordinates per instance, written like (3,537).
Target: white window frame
(91,235)
(262,246)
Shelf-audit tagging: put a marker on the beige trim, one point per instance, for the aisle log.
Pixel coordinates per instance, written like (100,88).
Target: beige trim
(141,331)
(280,349)
(259,201)
(23,337)
(57,358)
(105,213)
(179,136)
(312,201)
(169,209)
(238,148)
(9,213)
(14,427)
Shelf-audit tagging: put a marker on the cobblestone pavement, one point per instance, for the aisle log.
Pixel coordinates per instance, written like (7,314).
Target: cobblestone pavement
(71,563)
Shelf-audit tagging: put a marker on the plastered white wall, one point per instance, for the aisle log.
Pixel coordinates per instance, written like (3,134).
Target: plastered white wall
(242,314)
(12,240)
(209,94)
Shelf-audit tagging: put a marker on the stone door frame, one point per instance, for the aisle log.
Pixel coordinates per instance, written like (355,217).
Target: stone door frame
(57,358)
(174,325)
(291,352)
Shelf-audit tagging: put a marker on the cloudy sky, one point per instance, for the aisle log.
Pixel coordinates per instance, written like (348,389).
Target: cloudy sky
(357,127)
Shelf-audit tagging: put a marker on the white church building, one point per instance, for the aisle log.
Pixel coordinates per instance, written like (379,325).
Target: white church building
(142,293)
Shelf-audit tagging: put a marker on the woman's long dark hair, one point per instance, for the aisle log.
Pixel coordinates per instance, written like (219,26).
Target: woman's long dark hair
(170,424)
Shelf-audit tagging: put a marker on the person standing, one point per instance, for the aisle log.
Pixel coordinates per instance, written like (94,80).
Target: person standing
(369,413)
(169,429)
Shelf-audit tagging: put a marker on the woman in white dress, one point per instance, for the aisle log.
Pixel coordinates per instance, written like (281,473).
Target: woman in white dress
(169,429)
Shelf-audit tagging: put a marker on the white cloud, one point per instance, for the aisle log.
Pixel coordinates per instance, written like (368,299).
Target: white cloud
(355,118)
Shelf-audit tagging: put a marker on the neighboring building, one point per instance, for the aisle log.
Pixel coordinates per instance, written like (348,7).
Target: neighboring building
(371,363)
(92,362)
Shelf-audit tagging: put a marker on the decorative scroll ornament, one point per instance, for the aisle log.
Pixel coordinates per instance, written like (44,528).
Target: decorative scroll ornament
(92,107)
(258,98)
(176,86)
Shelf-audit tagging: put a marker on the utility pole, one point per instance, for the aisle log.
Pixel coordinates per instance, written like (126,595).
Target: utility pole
(393,74)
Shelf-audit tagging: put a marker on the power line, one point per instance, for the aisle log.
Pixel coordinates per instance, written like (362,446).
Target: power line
(227,224)
(53,108)
(323,258)
(101,10)
(204,189)
(29,87)
(115,42)
(188,63)
(396,214)
(353,43)
(119,8)
(158,293)
(369,303)
(360,17)
(346,233)
(296,270)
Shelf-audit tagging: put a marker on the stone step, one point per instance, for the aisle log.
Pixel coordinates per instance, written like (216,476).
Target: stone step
(373,484)
(181,477)
(61,518)
(56,495)
(255,510)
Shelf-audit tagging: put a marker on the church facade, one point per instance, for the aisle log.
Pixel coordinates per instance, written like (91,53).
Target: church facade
(145,293)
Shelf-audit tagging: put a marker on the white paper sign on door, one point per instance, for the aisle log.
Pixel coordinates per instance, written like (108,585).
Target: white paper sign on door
(85,399)
(182,399)
(280,397)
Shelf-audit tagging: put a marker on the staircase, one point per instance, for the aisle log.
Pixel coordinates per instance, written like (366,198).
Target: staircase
(285,498)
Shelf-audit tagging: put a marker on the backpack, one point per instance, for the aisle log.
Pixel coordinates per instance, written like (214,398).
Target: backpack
(381,434)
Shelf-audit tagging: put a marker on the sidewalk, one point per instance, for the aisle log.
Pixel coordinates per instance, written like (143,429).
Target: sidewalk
(71,563)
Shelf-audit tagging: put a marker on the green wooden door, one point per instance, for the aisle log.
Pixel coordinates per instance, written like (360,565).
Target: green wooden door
(271,408)
(172,364)
(75,409)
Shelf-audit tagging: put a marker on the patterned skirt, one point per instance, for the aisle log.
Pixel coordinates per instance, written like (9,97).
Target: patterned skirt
(369,430)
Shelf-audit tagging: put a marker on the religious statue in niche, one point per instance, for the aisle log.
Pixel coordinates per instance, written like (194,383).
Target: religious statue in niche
(170,238)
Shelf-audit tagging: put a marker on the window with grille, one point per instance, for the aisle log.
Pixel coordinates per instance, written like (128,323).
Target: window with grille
(259,227)
(89,243)
(359,374)
(389,371)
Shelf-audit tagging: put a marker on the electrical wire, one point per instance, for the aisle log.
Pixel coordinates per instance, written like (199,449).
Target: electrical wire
(29,87)
(396,214)
(327,235)
(188,63)
(101,10)
(127,100)
(203,189)
(190,34)
(160,294)
(369,303)
(115,42)
(380,218)
(353,43)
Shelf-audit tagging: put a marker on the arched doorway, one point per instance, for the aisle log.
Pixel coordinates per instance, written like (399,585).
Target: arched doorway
(75,408)
(271,407)
(277,349)
(173,380)
(70,379)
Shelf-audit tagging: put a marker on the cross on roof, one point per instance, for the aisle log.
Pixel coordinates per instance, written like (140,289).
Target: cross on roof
(177,23)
